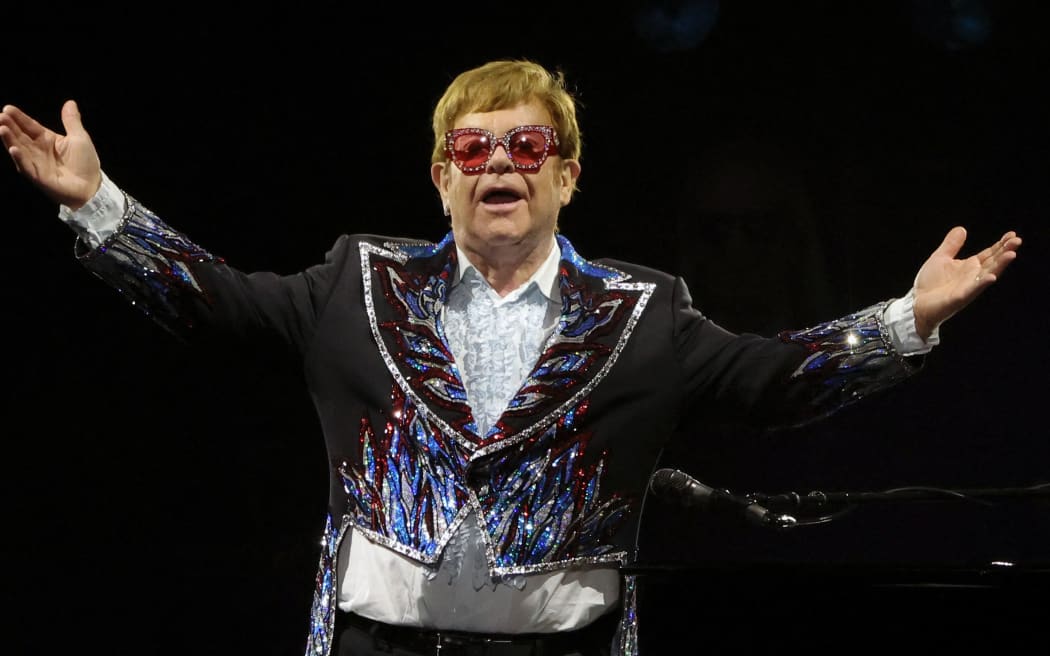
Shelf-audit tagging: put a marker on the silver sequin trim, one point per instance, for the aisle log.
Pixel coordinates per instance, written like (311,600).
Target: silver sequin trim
(647,291)
(367,250)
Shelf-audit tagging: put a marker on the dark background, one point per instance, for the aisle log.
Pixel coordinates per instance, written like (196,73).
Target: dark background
(795,161)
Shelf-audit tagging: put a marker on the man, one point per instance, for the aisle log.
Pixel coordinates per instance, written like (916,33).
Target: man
(492,404)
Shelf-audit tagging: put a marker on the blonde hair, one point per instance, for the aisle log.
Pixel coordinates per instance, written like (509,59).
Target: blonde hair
(503,84)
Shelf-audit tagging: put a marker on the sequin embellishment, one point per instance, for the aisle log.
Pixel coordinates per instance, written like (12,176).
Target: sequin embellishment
(542,506)
(409,486)
(323,608)
(150,264)
(849,358)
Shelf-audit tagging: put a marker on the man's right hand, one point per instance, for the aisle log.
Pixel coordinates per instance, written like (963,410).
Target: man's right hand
(66,167)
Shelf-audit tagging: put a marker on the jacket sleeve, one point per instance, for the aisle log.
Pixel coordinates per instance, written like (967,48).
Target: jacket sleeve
(197,297)
(788,380)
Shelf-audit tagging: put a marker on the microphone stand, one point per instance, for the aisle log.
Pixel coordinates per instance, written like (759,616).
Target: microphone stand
(780,505)
(783,511)
(772,510)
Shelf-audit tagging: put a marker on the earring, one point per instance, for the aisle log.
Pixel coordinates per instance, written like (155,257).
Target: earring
(445,209)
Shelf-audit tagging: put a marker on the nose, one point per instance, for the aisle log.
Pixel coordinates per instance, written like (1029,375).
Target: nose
(500,162)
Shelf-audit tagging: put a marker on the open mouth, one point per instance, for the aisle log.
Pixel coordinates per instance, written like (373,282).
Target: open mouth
(500,197)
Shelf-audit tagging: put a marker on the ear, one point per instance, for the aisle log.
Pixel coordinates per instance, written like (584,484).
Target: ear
(439,176)
(570,173)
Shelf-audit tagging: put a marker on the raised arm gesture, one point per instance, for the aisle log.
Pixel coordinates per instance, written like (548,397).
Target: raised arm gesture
(946,284)
(66,167)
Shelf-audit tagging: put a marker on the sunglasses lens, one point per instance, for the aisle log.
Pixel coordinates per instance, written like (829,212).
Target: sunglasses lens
(528,147)
(471,149)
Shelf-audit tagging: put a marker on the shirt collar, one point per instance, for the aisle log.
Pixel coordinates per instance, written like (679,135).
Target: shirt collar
(545,277)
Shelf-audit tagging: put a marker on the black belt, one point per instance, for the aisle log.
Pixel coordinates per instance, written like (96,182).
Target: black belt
(593,639)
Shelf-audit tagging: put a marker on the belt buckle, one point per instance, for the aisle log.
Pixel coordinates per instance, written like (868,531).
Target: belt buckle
(453,639)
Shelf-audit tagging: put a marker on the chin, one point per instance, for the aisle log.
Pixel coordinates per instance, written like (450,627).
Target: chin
(502,230)
(500,240)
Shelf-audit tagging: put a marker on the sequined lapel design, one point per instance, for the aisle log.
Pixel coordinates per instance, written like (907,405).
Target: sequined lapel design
(541,498)
(406,286)
(409,491)
(599,312)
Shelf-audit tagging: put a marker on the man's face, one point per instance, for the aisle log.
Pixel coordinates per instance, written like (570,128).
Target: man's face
(501,210)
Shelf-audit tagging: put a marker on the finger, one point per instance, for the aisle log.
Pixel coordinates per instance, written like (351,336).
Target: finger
(953,242)
(999,263)
(13,138)
(24,122)
(995,264)
(71,119)
(19,158)
(7,136)
(1006,248)
(1006,242)
(10,141)
(10,133)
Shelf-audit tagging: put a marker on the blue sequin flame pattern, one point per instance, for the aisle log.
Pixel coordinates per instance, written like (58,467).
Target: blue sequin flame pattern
(409,485)
(542,505)
(323,608)
(420,339)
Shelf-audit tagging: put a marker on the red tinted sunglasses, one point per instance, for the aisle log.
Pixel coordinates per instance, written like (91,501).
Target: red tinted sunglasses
(526,145)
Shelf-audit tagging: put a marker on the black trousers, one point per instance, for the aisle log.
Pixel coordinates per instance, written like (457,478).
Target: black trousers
(358,636)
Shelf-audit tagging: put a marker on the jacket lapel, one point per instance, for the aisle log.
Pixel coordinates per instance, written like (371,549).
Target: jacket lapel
(406,288)
(599,310)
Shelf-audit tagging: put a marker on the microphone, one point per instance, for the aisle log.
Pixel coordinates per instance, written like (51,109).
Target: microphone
(676,485)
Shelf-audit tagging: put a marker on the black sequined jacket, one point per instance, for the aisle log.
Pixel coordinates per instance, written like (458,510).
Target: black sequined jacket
(558,480)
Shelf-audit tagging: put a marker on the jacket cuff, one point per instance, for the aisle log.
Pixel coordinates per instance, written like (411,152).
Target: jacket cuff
(150,264)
